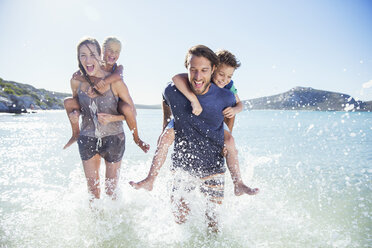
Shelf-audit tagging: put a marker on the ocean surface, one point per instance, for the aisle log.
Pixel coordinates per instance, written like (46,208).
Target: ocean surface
(314,170)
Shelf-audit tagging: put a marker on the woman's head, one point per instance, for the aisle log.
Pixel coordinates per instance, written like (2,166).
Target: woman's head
(111,50)
(89,53)
(226,68)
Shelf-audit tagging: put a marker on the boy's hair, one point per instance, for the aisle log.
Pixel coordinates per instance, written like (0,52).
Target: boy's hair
(227,58)
(201,51)
(108,40)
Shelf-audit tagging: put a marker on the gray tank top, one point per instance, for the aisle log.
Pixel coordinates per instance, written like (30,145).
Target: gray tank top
(106,103)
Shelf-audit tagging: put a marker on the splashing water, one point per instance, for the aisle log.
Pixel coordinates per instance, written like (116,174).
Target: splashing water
(313,169)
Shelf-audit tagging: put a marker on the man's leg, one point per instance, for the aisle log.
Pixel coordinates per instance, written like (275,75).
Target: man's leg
(213,188)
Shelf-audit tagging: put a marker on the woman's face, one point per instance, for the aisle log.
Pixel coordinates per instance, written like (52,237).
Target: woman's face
(223,75)
(89,58)
(111,52)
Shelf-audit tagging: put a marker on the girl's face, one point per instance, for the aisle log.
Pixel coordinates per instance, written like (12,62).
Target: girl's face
(89,58)
(223,75)
(111,52)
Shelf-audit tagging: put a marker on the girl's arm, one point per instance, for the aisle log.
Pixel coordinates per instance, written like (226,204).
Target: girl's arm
(181,83)
(112,77)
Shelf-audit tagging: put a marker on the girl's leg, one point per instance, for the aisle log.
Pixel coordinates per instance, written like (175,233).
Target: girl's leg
(130,117)
(234,168)
(72,109)
(91,170)
(165,140)
(112,178)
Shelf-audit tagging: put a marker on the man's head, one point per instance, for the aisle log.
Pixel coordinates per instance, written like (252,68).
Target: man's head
(200,62)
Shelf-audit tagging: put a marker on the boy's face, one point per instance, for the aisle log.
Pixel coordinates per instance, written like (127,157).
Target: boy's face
(223,75)
(111,53)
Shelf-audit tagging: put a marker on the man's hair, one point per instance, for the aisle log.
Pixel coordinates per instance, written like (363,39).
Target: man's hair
(227,58)
(201,51)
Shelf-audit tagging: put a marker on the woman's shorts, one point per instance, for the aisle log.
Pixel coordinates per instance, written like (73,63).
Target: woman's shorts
(111,148)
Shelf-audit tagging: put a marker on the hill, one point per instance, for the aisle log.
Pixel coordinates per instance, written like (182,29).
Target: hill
(306,98)
(17,97)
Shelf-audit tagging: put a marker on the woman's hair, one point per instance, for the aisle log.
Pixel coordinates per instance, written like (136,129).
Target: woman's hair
(86,42)
(201,51)
(108,40)
(227,58)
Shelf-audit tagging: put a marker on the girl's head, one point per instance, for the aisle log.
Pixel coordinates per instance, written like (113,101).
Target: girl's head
(111,50)
(226,68)
(89,53)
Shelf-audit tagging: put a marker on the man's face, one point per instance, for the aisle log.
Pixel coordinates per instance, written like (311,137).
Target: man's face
(200,73)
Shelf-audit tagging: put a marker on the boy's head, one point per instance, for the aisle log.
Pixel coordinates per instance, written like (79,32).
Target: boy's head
(226,68)
(111,50)
(200,62)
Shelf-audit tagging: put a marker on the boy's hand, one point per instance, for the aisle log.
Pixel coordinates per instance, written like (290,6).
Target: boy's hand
(196,108)
(229,112)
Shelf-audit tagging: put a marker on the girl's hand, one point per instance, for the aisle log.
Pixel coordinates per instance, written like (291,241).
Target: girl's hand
(104,118)
(100,84)
(229,112)
(196,107)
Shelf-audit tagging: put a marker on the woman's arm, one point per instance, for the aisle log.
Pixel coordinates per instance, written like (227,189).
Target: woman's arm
(181,83)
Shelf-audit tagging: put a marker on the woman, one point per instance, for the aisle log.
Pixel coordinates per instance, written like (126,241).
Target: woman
(102,134)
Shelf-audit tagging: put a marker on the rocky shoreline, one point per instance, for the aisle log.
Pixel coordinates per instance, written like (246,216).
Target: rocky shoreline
(22,98)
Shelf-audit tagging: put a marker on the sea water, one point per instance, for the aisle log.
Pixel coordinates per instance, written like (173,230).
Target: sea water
(313,169)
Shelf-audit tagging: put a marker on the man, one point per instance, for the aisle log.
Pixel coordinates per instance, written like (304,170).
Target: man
(199,139)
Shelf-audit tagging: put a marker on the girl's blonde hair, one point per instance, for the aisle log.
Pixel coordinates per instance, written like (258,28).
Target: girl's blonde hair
(108,40)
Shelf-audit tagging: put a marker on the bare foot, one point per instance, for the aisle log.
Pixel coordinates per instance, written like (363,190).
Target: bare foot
(144,146)
(241,188)
(72,140)
(144,184)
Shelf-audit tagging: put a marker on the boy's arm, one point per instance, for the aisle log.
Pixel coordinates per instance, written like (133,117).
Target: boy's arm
(181,83)
(232,111)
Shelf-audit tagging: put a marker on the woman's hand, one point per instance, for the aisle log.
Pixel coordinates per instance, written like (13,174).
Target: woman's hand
(105,119)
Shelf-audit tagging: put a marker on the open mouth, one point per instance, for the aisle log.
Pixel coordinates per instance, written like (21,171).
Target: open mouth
(198,84)
(111,59)
(90,68)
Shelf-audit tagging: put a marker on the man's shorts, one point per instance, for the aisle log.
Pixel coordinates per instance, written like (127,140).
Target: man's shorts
(211,186)
(111,148)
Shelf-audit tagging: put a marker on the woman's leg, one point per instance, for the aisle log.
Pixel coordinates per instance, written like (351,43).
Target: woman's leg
(130,118)
(91,170)
(112,178)
(72,109)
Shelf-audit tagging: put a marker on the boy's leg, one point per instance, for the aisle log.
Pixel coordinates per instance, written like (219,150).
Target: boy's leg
(130,117)
(232,162)
(72,109)
(165,140)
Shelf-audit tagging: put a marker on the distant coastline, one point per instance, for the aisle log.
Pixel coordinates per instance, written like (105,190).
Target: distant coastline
(22,98)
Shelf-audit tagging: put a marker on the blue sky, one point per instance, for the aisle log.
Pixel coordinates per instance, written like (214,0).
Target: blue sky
(281,44)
